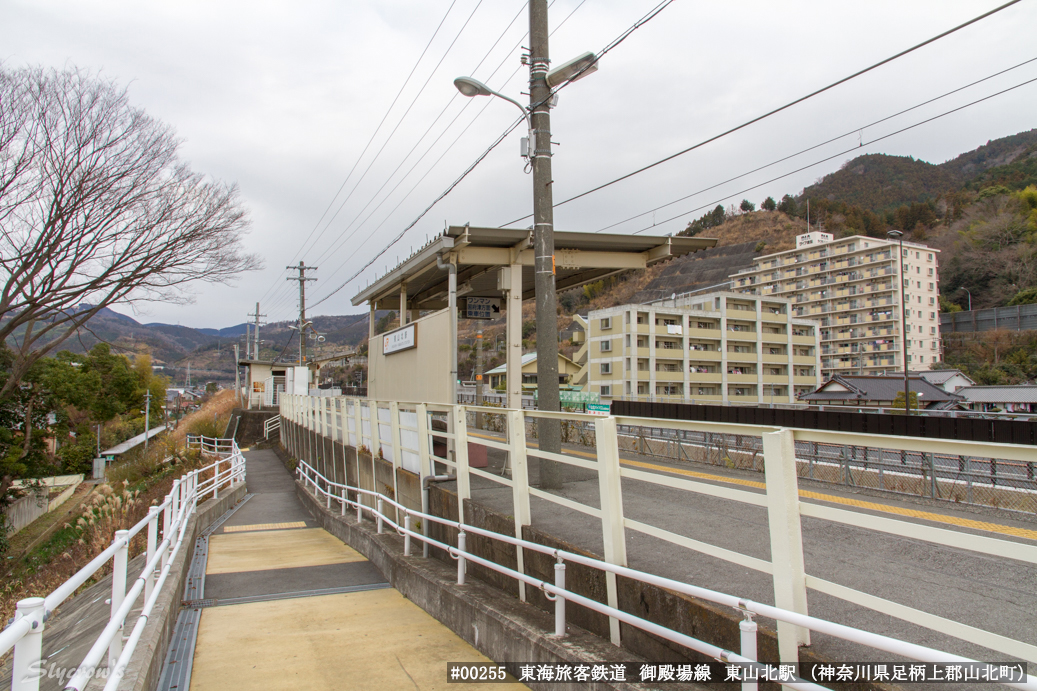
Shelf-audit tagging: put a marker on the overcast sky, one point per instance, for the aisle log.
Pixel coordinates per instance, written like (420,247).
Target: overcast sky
(282,98)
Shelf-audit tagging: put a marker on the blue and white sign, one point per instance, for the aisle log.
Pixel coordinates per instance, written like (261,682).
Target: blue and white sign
(482,308)
(401,339)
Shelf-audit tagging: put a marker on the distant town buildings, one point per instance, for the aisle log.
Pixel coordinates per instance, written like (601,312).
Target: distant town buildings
(718,347)
(851,288)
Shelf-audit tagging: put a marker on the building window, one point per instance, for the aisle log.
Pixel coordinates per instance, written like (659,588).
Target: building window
(606,390)
(628,365)
(929,257)
(606,323)
(606,368)
(668,389)
(606,346)
(628,340)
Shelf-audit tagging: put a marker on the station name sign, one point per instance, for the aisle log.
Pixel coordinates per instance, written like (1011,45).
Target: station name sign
(400,339)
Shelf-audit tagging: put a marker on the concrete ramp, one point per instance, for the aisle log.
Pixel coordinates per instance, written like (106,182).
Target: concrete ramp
(285,605)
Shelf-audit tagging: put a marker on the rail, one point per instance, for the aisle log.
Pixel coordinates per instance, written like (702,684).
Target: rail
(424,438)
(271,424)
(557,591)
(25,632)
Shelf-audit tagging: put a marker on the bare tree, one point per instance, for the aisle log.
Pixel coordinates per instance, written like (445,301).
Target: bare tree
(97,208)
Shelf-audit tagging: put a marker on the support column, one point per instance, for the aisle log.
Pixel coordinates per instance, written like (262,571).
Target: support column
(514,340)
(403,304)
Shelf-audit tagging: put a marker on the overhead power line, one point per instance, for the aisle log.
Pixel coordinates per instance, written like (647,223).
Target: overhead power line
(817,146)
(776,110)
(622,37)
(837,155)
(399,93)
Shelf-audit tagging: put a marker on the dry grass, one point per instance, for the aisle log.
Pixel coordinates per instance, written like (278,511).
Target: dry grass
(113,507)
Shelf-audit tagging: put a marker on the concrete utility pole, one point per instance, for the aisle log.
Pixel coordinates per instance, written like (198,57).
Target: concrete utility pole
(255,333)
(237,376)
(301,278)
(548,431)
(478,375)
(147,418)
(899,237)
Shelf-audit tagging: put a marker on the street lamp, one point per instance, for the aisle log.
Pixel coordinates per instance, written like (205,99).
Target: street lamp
(542,82)
(970,297)
(899,236)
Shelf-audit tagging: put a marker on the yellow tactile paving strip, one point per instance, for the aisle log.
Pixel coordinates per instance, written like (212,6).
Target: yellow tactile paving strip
(835,499)
(278,549)
(370,640)
(263,526)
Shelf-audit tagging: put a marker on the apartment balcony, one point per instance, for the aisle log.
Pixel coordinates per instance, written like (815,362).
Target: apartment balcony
(776,359)
(742,379)
(804,381)
(662,376)
(705,377)
(803,340)
(704,334)
(743,399)
(776,379)
(706,399)
(643,352)
(706,355)
(773,318)
(803,359)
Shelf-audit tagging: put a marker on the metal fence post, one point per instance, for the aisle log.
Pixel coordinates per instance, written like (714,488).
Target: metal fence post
(611,493)
(343,501)
(149,584)
(118,592)
(790,591)
(460,558)
(379,518)
(26,670)
(406,535)
(519,485)
(559,600)
(397,453)
(747,628)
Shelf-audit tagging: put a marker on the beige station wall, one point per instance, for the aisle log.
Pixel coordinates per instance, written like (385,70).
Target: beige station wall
(421,374)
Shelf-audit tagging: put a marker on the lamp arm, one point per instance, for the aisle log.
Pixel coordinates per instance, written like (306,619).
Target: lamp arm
(525,114)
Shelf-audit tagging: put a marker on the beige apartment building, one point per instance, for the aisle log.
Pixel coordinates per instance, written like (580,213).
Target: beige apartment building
(719,347)
(851,287)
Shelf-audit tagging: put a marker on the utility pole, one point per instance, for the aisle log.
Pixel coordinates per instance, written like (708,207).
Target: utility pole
(248,339)
(188,384)
(301,278)
(478,375)
(147,418)
(255,333)
(548,430)
(237,376)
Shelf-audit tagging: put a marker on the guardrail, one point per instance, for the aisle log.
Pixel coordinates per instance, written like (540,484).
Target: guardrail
(25,633)
(271,424)
(558,593)
(402,433)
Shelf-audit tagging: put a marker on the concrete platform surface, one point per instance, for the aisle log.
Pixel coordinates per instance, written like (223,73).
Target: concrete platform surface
(276,549)
(294,633)
(371,640)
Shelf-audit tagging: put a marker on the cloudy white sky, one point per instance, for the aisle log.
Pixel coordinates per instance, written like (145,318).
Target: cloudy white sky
(282,98)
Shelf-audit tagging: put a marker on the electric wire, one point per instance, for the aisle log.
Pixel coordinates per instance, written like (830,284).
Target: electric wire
(391,134)
(776,110)
(653,13)
(334,247)
(369,142)
(817,146)
(837,155)
(442,155)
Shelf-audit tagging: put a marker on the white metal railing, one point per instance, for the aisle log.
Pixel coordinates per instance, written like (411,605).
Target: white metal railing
(319,485)
(25,633)
(402,434)
(271,424)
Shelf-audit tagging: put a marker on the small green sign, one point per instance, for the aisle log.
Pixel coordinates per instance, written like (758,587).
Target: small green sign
(599,409)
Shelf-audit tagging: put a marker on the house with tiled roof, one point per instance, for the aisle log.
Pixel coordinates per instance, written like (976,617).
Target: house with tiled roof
(879,391)
(1009,399)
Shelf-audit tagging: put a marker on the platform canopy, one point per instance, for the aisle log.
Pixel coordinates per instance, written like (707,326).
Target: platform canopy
(480,252)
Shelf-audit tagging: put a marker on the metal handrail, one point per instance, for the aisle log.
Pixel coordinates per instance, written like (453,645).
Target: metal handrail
(312,477)
(25,633)
(270,424)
